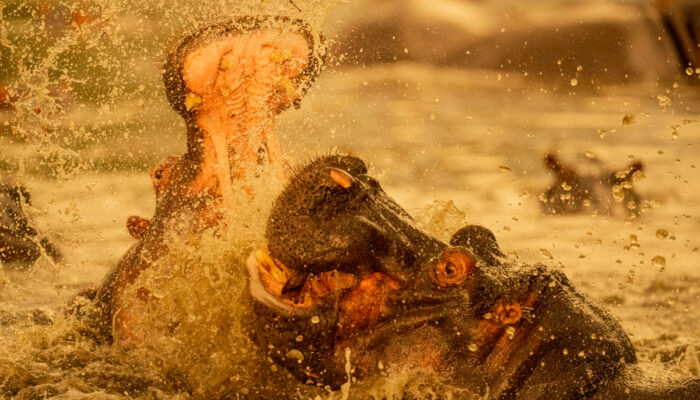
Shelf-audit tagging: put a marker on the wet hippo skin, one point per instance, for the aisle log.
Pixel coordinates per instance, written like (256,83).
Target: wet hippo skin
(370,287)
(228,82)
(19,241)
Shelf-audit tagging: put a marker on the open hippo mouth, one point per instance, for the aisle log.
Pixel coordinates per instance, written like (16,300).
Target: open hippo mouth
(345,267)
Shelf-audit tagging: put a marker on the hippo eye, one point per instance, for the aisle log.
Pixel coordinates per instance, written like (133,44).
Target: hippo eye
(158,174)
(454,267)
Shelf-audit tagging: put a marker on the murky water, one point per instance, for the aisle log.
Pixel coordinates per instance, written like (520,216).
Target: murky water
(448,144)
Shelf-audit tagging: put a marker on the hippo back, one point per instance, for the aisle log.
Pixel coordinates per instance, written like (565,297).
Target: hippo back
(646,381)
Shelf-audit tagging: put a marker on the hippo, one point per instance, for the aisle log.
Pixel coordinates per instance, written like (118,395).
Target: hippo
(19,241)
(228,81)
(346,277)
(602,192)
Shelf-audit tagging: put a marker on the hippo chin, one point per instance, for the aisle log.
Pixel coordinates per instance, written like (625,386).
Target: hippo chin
(346,271)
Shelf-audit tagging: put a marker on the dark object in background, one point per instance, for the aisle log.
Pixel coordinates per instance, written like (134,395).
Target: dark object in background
(19,242)
(682,21)
(604,192)
(597,43)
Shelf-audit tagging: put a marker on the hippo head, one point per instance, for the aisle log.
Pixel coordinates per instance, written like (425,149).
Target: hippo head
(228,82)
(347,269)
(347,278)
(574,192)
(19,241)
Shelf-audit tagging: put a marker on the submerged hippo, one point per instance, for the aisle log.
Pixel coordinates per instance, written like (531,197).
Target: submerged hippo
(228,82)
(602,192)
(348,278)
(19,241)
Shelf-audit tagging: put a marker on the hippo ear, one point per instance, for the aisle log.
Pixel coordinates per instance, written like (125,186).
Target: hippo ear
(481,241)
(335,178)
(137,226)
(562,171)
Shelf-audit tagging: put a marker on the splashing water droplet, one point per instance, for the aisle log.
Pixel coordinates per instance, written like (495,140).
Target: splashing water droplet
(628,119)
(659,261)
(664,102)
(546,254)
(510,331)
(661,233)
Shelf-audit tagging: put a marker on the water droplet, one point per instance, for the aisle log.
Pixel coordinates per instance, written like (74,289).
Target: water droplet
(473,347)
(662,233)
(659,261)
(689,71)
(546,254)
(574,82)
(664,102)
(432,116)
(295,354)
(617,193)
(510,331)
(590,154)
(315,319)
(565,351)
(579,68)
(628,119)
(299,338)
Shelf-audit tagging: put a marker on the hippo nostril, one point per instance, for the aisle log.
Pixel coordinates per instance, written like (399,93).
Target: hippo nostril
(454,267)
(158,174)
(450,269)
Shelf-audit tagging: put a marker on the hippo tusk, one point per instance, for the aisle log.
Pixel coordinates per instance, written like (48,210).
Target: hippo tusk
(262,295)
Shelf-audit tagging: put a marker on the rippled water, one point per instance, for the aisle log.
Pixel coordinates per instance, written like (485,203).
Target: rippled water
(468,144)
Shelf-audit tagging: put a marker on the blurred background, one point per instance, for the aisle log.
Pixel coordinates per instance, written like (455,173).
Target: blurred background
(452,102)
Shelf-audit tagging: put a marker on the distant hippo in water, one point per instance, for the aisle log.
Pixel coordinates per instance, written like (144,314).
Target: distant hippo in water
(19,241)
(603,192)
(228,81)
(370,288)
